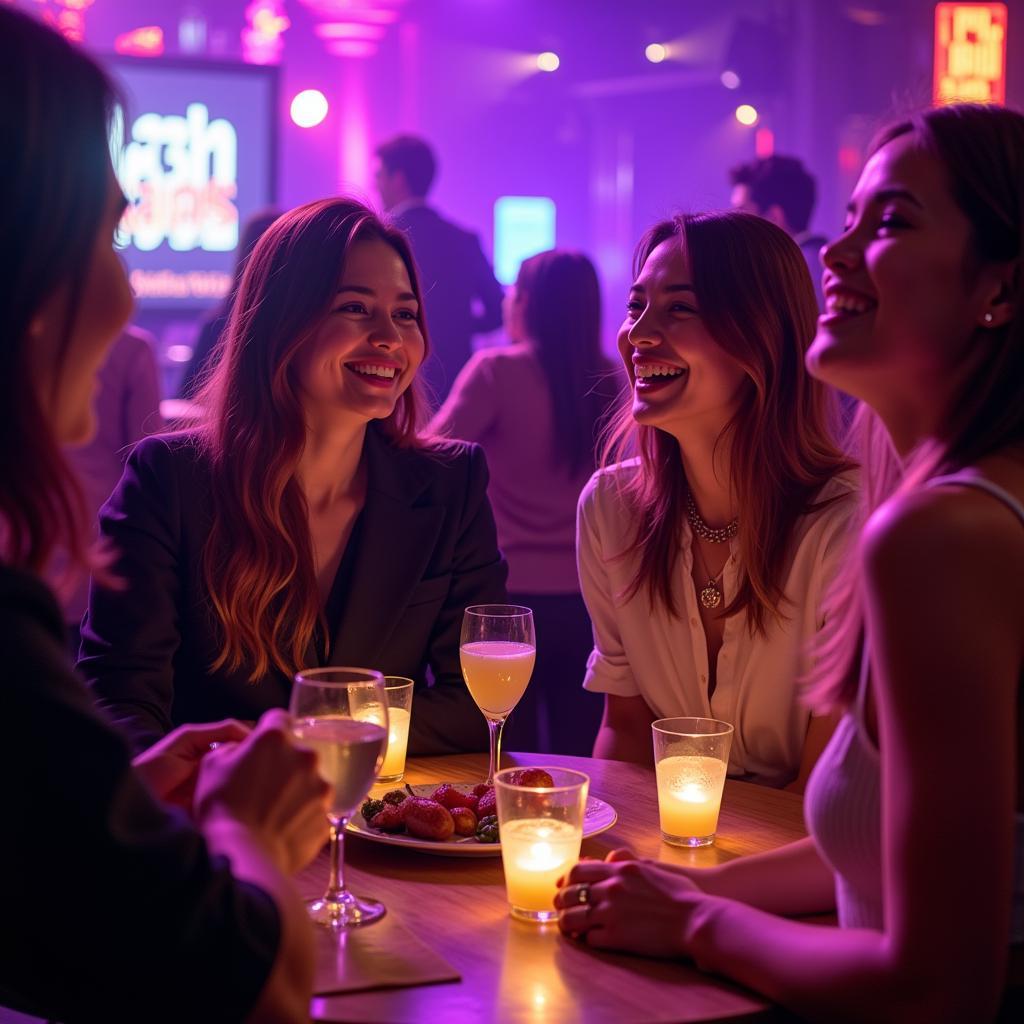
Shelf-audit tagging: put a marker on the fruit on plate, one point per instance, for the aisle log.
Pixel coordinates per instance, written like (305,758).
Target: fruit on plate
(371,808)
(427,819)
(395,796)
(448,796)
(488,805)
(487,829)
(531,777)
(390,819)
(465,821)
(480,788)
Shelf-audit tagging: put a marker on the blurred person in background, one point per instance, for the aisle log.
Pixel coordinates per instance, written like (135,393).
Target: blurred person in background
(782,190)
(535,406)
(462,295)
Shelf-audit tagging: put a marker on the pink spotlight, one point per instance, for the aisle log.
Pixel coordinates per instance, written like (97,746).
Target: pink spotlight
(764,143)
(141,42)
(351,48)
(349,30)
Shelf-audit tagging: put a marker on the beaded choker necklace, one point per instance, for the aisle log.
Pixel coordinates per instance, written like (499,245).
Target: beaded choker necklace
(705,532)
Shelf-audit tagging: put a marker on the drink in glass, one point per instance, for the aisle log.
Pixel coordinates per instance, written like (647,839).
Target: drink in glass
(341,713)
(497,654)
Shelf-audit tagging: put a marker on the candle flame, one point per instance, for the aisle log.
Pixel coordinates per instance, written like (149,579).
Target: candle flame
(692,793)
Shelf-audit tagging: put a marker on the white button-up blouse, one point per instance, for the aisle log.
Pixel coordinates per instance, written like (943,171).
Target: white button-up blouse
(642,651)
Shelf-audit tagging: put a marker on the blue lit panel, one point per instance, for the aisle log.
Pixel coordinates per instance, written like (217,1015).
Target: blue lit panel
(523,226)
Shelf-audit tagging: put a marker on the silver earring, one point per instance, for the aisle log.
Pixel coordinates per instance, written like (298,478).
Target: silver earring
(988,318)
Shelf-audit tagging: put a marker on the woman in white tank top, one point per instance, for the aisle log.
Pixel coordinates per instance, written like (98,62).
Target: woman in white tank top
(915,806)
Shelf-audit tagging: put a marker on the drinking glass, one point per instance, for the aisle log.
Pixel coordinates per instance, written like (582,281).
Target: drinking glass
(541,833)
(338,713)
(691,758)
(398,690)
(497,653)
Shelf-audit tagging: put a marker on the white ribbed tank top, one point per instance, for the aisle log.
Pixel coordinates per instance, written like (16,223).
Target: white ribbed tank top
(843,798)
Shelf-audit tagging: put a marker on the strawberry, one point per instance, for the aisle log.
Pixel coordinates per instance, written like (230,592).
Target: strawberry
(448,796)
(391,819)
(531,777)
(465,821)
(488,804)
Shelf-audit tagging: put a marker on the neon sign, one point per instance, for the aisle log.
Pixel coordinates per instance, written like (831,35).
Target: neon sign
(181,177)
(970,53)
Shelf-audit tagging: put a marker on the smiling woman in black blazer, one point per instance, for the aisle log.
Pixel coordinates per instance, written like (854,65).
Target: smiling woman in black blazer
(305,522)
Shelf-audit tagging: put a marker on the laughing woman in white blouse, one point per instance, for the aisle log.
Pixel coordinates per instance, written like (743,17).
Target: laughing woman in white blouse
(703,558)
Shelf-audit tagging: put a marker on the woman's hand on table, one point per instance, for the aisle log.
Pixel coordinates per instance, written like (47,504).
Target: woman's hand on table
(170,767)
(272,787)
(637,906)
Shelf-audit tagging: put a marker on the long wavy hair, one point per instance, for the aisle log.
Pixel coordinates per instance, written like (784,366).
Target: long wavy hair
(757,302)
(257,562)
(982,151)
(561,299)
(56,110)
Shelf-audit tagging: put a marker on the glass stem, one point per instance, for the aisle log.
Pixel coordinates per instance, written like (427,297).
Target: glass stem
(494,727)
(336,883)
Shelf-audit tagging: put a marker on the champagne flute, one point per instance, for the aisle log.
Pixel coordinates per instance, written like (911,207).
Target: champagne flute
(341,713)
(497,653)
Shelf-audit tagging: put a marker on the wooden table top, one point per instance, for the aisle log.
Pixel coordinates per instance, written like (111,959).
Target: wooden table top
(519,972)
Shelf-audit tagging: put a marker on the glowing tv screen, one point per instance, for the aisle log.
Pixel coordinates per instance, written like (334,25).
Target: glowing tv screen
(197,159)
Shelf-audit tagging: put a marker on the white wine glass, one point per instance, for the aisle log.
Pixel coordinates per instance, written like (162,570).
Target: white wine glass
(497,653)
(341,713)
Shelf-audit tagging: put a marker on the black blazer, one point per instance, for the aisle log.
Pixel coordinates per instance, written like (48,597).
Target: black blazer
(461,296)
(427,548)
(161,931)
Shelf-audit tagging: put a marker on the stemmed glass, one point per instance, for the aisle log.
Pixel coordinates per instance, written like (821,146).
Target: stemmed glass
(497,653)
(341,713)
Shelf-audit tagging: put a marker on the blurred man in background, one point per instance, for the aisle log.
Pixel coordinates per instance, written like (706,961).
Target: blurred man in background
(460,291)
(782,190)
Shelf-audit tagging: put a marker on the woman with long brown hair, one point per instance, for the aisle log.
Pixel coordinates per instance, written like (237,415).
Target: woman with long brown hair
(305,521)
(536,406)
(183,913)
(703,557)
(916,808)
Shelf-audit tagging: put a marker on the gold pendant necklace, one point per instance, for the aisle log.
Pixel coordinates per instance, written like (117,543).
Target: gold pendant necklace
(711,592)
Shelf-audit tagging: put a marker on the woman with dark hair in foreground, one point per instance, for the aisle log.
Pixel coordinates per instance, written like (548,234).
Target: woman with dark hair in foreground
(115,906)
(916,808)
(305,521)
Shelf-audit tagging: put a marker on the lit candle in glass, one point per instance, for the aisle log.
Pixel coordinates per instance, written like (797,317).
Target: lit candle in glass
(541,829)
(691,758)
(536,853)
(689,795)
(398,691)
(393,767)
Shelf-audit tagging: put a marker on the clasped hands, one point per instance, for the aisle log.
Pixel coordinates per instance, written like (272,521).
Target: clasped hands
(636,906)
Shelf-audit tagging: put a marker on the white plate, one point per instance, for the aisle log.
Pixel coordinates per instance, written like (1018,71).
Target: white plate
(598,817)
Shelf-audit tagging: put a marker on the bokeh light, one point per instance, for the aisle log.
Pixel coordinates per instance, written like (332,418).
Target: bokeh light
(656,53)
(730,79)
(746,114)
(309,108)
(548,61)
